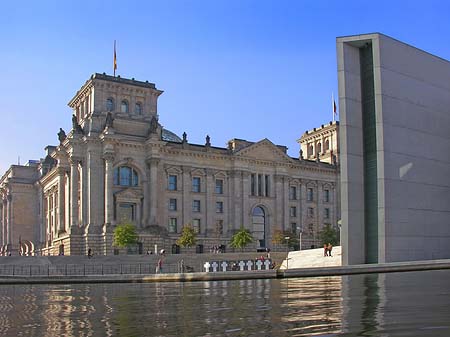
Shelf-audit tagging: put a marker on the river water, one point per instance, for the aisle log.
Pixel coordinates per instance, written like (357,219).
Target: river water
(397,304)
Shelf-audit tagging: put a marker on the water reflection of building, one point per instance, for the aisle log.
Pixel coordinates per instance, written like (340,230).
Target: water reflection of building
(118,164)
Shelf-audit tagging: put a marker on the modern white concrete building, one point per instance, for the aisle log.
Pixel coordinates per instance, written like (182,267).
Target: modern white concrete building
(395,151)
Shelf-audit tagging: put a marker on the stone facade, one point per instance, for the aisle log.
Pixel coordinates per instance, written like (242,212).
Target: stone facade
(118,164)
(321,143)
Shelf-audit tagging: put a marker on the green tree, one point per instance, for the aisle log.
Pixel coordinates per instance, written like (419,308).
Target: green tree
(125,235)
(328,234)
(188,237)
(241,238)
(279,237)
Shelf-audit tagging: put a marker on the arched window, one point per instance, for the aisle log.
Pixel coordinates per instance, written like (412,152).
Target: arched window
(138,109)
(258,211)
(124,106)
(109,104)
(125,176)
(319,148)
(327,145)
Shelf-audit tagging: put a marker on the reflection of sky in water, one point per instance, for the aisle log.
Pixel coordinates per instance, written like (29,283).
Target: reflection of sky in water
(399,304)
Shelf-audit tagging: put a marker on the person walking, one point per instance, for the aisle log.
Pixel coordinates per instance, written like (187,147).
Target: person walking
(330,247)
(325,249)
(159,267)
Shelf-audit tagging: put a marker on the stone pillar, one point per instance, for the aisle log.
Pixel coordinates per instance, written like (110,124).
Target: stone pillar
(246,223)
(109,198)
(61,193)
(235,199)
(187,200)
(4,221)
(1,223)
(55,215)
(153,182)
(74,192)
(9,219)
(286,213)
(146,202)
(278,202)
(210,204)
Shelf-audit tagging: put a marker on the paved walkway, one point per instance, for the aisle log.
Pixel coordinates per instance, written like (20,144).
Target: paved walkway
(312,258)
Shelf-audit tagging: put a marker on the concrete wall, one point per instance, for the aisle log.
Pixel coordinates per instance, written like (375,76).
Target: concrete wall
(412,103)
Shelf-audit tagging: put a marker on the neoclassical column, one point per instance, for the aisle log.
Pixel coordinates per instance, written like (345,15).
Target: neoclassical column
(74,191)
(4,221)
(61,193)
(279,201)
(187,200)
(153,181)
(245,194)
(109,175)
(210,204)
(55,217)
(146,189)
(9,219)
(235,197)
(286,213)
(1,223)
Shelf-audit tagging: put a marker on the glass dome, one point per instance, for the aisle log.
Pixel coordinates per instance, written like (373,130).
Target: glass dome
(169,136)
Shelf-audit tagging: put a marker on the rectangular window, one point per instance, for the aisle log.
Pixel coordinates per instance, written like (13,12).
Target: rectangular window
(172,225)
(219,186)
(326,195)
(172,183)
(327,213)
(219,227)
(293,211)
(195,184)
(260,185)
(293,193)
(196,206)
(196,225)
(267,185)
(172,204)
(294,227)
(310,194)
(219,207)
(310,212)
(253,184)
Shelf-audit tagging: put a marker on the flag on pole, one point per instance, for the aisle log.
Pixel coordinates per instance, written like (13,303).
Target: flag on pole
(115,59)
(333,102)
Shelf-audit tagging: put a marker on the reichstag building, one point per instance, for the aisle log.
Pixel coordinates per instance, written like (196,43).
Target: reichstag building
(119,165)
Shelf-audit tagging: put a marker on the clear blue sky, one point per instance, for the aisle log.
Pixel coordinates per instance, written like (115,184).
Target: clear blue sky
(233,68)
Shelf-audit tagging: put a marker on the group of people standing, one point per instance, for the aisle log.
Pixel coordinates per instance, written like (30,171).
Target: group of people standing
(327,248)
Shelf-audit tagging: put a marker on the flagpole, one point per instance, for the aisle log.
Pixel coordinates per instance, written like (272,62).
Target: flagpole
(115,59)
(333,106)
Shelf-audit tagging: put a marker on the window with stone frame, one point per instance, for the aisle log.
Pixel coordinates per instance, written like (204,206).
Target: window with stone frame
(172,204)
(124,106)
(253,184)
(267,185)
(109,104)
(310,194)
(293,193)
(293,211)
(196,226)
(196,206)
(294,227)
(125,176)
(196,187)
(326,195)
(219,186)
(219,207)
(173,225)
(310,212)
(172,182)
(260,193)
(326,213)
(138,108)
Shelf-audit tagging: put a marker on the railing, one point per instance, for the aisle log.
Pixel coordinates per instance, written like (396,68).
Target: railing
(86,269)
(130,269)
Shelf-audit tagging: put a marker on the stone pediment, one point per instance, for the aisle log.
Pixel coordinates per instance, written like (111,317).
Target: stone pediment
(129,194)
(264,150)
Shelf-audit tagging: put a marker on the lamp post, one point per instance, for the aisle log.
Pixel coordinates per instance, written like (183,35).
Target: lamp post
(339,225)
(300,232)
(287,251)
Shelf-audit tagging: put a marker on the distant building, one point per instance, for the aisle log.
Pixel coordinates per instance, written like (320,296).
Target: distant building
(395,151)
(119,165)
(321,143)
